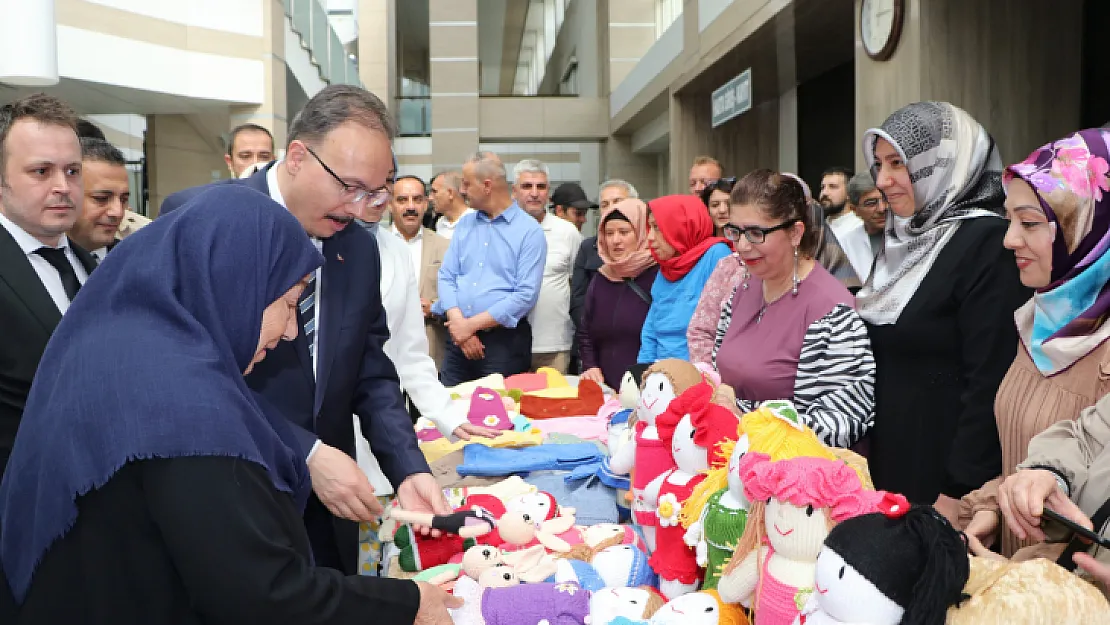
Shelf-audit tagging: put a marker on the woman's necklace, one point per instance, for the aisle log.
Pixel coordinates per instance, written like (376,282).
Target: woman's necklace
(767,301)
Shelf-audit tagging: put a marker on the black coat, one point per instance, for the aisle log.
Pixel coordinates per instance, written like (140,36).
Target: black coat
(939,367)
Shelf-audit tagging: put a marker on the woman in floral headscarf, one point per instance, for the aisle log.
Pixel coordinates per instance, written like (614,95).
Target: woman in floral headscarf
(938,305)
(1058,202)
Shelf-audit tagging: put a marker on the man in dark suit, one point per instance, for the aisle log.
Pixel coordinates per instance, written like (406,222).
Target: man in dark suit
(40,270)
(338,161)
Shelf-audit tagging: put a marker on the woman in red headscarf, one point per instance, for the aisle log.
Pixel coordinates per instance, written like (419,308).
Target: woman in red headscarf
(682,242)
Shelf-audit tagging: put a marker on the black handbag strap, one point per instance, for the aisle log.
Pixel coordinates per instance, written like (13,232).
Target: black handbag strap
(1075,545)
(644,295)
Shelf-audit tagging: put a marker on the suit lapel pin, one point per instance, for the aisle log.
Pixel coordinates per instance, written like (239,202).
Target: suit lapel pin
(339,257)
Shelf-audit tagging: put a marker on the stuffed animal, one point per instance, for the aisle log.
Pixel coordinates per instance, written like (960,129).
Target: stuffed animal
(611,567)
(694,429)
(715,517)
(795,502)
(624,606)
(609,534)
(699,608)
(643,449)
(528,565)
(419,552)
(903,565)
(552,603)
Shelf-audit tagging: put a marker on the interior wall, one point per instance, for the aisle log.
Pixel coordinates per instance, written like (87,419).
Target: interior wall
(579,38)
(183,151)
(826,134)
(1095,86)
(749,141)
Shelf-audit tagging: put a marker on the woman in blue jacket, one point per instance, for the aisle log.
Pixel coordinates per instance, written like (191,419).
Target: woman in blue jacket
(682,242)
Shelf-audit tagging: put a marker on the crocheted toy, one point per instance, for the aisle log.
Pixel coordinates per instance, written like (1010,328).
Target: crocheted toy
(904,565)
(704,607)
(624,606)
(610,534)
(662,382)
(419,552)
(694,429)
(528,565)
(629,392)
(555,604)
(795,502)
(612,567)
(715,517)
(589,399)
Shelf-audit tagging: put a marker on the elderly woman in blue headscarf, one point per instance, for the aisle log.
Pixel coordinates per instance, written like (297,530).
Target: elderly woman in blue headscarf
(147,483)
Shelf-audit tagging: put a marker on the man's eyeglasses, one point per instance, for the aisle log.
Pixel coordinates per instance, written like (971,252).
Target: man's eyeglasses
(754,234)
(872,203)
(354,193)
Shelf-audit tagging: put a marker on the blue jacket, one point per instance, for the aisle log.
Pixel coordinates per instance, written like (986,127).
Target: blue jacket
(672,307)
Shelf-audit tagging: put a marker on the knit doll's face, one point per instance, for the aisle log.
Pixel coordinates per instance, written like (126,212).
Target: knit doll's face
(538,506)
(594,535)
(688,455)
(796,533)
(849,597)
(611,603)
(735,486)
(655,396)
(696,608)
(618,565)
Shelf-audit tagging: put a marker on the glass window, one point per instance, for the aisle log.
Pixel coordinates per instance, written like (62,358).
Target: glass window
(666,12)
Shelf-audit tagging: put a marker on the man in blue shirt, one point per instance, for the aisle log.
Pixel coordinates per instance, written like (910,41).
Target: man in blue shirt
(490,278)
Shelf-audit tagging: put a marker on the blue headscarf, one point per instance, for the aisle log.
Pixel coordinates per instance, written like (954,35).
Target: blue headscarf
(148,363)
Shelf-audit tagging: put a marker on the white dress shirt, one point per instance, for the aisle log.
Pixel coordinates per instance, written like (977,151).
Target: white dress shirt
(552,328)
(407,347)
(275,195)
(416,249)
(857,247)
(49,276)
(446,228)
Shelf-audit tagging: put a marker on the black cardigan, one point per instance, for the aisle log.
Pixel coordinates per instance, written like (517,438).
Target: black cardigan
(939,367)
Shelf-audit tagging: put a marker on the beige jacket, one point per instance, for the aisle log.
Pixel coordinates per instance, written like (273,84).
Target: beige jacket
(1078,449)
(432,252)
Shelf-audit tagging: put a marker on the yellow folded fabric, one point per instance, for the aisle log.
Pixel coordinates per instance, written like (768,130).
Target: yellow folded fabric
(434,450)
(493,381)
(554,378)
(558,392)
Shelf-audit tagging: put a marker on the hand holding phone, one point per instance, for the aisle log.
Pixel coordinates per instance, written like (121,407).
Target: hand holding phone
(1079,530)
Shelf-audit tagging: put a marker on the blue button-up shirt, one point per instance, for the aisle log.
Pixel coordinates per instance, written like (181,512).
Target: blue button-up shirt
(493,266)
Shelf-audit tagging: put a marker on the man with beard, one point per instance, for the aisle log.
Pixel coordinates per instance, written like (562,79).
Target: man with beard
(834,200)
(40,269)
(426,249)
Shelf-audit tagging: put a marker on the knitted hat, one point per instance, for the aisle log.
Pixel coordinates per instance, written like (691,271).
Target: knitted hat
(488,410)
(419,552)
(693,400)
(911,555)
(624,565)
(682,374)
(807,481)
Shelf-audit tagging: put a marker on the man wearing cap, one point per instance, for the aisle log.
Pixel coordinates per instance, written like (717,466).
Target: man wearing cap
(570,203)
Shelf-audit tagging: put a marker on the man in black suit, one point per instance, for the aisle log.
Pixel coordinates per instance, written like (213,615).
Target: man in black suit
(338,161)
(40,270)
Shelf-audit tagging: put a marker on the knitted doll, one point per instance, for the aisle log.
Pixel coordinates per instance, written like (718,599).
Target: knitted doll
(795,502)
(619,432)
(704,607)
(556,604)
(694,428)
(903,565)
(612,567)
(609,534)
(617,606)
(662,382)
(715,517)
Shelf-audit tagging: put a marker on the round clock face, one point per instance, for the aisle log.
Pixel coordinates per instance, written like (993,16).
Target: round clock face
(880,21)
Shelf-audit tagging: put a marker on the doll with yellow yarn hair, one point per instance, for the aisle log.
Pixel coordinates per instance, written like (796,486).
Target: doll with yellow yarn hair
(716,514)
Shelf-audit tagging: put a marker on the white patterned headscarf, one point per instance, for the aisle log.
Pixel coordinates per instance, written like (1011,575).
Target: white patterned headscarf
(956,174)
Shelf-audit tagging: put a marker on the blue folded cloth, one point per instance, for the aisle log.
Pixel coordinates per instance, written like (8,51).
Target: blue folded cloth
(487,461)
(593,501)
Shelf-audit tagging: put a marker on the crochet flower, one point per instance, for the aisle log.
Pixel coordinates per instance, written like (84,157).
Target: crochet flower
(491,420)
(668,510)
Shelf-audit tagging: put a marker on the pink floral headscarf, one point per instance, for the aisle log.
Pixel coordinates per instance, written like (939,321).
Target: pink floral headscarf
(1064,321)
(806,481)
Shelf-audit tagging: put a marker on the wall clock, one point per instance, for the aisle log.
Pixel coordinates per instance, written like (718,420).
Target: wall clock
(880,26)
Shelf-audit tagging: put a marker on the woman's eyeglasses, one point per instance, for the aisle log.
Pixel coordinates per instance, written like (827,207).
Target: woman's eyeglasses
(754,234)
(355,194)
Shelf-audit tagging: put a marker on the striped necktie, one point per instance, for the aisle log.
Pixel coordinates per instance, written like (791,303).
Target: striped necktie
(307,307)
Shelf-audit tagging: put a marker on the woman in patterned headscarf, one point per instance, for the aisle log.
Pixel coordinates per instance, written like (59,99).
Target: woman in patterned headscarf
(938,305)
(1058,202)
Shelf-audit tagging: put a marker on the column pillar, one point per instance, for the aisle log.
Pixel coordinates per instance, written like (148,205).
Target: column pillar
(377,49)
(453,44)
(272,114)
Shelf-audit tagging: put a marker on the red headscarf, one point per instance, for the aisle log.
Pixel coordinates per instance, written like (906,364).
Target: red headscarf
(685,224)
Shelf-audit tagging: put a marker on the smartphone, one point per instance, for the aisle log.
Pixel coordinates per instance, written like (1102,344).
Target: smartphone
(1078,529)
